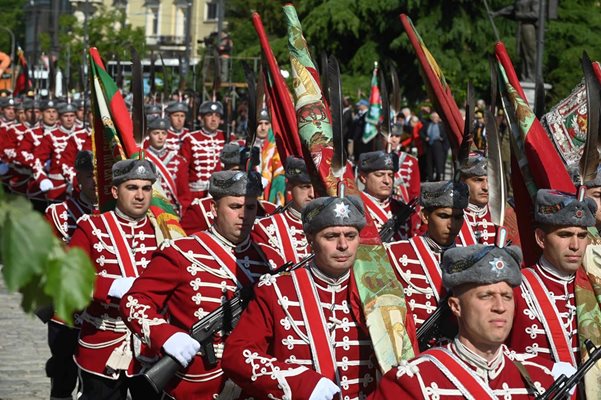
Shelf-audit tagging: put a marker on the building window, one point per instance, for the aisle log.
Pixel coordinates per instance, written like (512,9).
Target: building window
(180,22)
(152,21)
(211,11)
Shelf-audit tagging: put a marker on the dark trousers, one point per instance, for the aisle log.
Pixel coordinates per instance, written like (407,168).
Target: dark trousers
(435,159)
(94,387)
(61,368)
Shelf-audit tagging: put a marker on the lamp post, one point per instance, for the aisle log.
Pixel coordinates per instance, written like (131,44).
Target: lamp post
(12,55)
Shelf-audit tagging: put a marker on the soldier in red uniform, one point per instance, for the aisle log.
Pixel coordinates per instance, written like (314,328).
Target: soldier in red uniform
(202,148)
(546,321)
(479,227)
(62,339)
(9,116)
(476,364)
(120,243)
(47,165)
(376,173)
(192,276)
(284,230)
(303,336)
(407,179)
(176,111)
(172,168)
(416,261)
(79,140)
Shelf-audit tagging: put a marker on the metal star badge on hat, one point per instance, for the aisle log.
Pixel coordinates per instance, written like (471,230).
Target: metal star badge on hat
(497,263)
(141,170)
(342,210)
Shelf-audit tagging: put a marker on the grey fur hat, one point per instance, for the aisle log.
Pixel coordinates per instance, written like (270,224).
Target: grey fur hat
(84,161)
(67,108)
(177,106)
(481,264)
(127,170)
(211,107)
(235,183)
(157,124)
(444,194)
(152,109)
(264,116)
(48,104)
(325,212)
(378,160)
(552,207)
(476,165)
(234,154)
(7,102)
(296,170)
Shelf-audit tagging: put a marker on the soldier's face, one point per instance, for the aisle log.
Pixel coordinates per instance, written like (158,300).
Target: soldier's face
(234,216)
(335,249)
(485,315)
(595,194)
(563,247)
(157,138)
(211,121)
(87,184)
(444,224)
(133,197)
(50,116)
(9,113)
(394,141)
(177,120)
(301,194)
(478,186)
(68,120)
(378,183)
(263,129)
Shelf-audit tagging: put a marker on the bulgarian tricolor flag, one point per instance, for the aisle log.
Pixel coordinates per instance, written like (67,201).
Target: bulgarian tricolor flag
(113,140)
(374,114)
(381,295)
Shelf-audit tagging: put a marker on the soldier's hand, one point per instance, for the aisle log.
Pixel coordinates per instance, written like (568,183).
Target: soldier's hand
(46,185)
(120,286)
(324,390)
(182,347)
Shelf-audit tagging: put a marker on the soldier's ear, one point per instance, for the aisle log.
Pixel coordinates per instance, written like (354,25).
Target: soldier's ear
(455,306)
(540,237)
(114,192)
(423,216)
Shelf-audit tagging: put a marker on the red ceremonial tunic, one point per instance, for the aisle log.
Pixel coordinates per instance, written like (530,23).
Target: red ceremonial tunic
(175,139)
(426,377)
(63,219)
(284,232)
(381,211)
(407,179)
(79,140)
(190,277)
(416,265)
(18,176)
(48,161)
(202,149)
(103,332)
(173,176)
(531,321)
(270,353)
(479,219)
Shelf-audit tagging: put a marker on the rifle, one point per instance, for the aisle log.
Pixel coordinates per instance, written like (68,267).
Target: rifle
(432,328)
(393,224)
(223,318)
(563,385)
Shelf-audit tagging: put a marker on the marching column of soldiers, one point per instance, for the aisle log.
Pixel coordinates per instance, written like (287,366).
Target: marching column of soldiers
(504,330)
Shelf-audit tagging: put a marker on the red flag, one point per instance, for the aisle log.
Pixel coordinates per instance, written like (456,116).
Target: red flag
(279,100)
(436,84)
(535,162)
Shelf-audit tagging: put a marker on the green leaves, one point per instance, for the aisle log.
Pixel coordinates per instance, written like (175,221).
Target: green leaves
(37,264)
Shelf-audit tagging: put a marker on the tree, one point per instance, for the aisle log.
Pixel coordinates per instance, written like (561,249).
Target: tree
(458,33)
(107,31)
(11,15)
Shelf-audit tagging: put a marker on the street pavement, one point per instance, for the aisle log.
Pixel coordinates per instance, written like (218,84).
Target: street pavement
(23,351)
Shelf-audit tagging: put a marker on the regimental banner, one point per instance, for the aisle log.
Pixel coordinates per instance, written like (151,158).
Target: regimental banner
(373,118)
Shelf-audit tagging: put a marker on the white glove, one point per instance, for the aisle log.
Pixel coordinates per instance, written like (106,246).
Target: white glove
(3,168)
(324,390)
(120,286)
(182,347)
(46,185)
(563,368)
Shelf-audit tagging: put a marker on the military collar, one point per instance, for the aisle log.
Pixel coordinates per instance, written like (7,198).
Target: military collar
(129,220)
(382,203)
(238,248)
(549,270)
(435,247)
(209,133)
(477,210)
(65,130)
(333,283)
(158,152)
(294,214)
(487,370)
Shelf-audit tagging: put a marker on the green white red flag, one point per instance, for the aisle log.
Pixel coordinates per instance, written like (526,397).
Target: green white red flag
(373,118)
